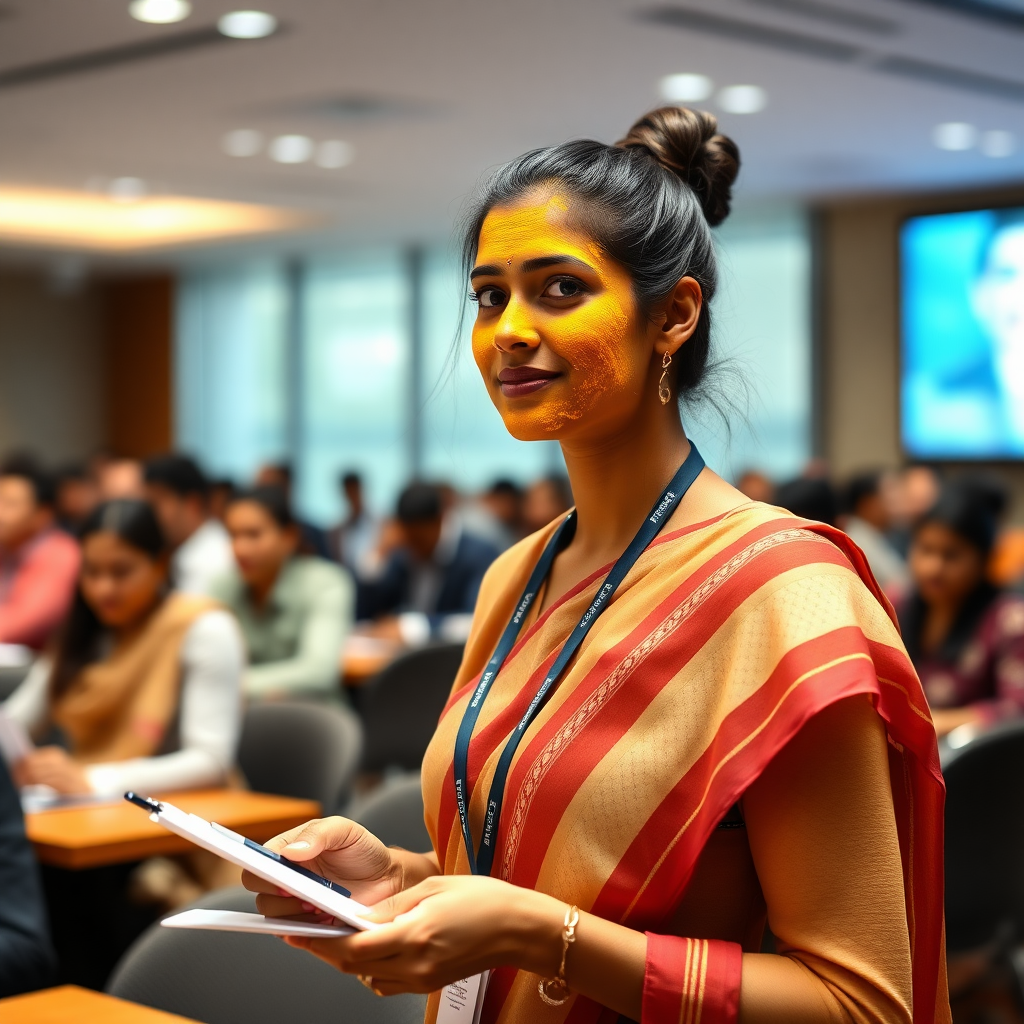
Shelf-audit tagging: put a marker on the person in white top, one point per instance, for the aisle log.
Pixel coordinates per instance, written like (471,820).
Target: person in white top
(179,493)
(867,523)
(144,691)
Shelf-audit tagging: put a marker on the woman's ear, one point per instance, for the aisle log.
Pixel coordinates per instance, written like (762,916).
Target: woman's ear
(681,314)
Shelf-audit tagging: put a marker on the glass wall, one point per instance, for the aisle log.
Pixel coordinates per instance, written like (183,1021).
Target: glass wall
(348,363)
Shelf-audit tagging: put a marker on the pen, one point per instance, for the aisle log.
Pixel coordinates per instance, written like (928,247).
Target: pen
(333,886)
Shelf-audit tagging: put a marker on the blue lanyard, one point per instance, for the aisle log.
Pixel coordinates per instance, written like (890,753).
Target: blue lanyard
(658,516)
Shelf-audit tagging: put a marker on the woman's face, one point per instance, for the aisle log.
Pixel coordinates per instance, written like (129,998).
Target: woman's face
(945,566)
(558,338)
(260,543)
(120,583)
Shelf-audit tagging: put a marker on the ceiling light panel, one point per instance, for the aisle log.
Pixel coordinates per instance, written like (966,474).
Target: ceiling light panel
(247,24)
(291,149)
(686,87)
(160,12)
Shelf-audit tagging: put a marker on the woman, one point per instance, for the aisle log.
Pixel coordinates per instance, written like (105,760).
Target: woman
(144,692)
(965,636)
(738,735)
(295,611)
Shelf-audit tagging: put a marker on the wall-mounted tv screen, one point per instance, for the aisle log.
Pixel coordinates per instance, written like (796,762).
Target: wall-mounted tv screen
(962,337)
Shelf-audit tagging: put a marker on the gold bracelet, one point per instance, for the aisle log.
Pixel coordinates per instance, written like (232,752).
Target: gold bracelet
(555,991)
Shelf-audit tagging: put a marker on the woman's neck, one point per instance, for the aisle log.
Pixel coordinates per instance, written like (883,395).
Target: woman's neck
(617,479)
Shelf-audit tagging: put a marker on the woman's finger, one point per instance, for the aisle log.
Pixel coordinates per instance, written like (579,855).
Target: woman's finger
(256,884)
(283,906)
(401,902)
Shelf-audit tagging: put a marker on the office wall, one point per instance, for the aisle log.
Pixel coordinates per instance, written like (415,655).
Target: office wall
(859,328)
(52,367)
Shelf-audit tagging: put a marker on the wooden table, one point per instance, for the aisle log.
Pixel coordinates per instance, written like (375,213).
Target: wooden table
(97,834)
(82,1006)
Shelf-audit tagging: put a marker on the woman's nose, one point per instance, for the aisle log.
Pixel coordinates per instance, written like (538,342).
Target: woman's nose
(516,329)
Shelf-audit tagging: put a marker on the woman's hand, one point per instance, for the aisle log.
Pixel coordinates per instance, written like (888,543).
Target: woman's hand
(447,928)
(54,767)
(343,851)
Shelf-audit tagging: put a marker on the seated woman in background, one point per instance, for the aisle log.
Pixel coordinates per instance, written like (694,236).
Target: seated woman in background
(964,635)
(295,611)
(144,691)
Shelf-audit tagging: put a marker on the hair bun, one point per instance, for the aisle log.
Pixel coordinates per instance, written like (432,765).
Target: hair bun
(687,143)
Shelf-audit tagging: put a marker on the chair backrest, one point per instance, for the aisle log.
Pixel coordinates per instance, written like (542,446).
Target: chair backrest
(402,706)
(303,749)
(394,814)
(227,977)
(984,845)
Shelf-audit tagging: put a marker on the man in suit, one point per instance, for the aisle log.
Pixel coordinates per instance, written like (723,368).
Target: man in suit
(431,569)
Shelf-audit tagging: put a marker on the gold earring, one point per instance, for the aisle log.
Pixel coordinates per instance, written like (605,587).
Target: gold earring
(663,392)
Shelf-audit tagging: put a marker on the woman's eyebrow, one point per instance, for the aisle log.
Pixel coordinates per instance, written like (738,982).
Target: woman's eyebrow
(487,270)
(538,263)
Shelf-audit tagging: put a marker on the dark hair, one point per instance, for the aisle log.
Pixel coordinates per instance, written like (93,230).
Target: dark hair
(178,473)
(133,522)
(809,498)
(971,508)
(419,503)
(25,467)
(861,486)
(271,498)
(648,201)
(504,486)
(351,478)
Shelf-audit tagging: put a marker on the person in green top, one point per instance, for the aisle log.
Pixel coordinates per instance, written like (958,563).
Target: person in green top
(295,611)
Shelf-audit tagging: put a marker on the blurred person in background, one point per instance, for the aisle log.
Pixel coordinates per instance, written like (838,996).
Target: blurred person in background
(430,569)
(504,501)
(756,486)
(866,522)
(810,498)
(77,495)
(178,492)
(144,690)
(355,537)
(912,492)
(546,500)
(121,478)
(220,495)
(26,956)
(964,635)
(295,610)
(38,562)
(312,540)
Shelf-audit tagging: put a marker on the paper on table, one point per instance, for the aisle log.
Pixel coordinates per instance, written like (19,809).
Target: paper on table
(237,921)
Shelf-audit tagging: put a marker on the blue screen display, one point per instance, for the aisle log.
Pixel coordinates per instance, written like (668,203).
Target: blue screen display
(962,313)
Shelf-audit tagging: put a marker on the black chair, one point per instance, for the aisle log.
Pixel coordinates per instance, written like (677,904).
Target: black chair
(227,977)
(984,846)
(301,749)
(394,814)
(402,705)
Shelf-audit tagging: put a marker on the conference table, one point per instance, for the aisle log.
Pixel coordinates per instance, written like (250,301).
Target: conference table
(91,835)
(81,1005)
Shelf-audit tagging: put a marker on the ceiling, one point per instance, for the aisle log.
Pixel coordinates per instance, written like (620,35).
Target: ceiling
(432,93)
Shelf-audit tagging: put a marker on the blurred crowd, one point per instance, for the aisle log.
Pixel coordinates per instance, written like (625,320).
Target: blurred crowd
(942,552)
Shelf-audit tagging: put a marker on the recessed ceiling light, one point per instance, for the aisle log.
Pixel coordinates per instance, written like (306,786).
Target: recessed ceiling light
(247,24)
(334,153)
(686,88)
(38,216)
(159,12)
(126,190)
(954,135)
(242,142)
(291,149)
(742,99)
(998,143)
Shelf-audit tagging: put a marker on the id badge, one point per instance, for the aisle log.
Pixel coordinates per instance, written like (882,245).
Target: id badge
(462,1002)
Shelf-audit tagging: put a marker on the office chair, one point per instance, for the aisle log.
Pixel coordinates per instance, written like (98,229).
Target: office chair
(302,749)
(984,846)
(402,705)
(394,813)
(227,977)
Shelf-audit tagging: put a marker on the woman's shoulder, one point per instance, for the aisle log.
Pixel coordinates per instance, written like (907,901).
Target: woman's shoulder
(318,573)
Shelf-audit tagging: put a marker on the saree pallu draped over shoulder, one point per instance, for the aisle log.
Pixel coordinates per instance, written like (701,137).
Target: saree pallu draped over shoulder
(722,642)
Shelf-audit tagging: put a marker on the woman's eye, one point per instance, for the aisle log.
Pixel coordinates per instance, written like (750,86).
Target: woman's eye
(490,297)
(563,288)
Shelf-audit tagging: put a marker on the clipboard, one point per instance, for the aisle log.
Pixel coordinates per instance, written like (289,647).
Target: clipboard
(295,879)
(240,921)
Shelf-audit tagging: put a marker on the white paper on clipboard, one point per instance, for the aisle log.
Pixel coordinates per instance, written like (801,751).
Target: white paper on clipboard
(239,921)
(14,740)
(201,832)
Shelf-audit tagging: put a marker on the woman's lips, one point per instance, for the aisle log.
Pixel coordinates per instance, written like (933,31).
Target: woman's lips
(516,381)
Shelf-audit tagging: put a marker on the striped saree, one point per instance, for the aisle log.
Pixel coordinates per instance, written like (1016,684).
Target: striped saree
(724,639)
